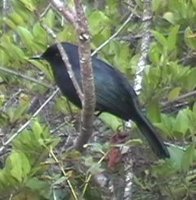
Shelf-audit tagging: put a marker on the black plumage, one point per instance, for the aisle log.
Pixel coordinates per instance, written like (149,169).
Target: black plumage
(114,94)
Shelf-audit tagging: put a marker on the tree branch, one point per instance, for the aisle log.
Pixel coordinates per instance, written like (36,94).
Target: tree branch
(88,103)
(67,13)
(88,96)
(145,43)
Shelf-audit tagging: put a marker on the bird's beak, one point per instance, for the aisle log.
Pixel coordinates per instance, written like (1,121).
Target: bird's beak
(36,57)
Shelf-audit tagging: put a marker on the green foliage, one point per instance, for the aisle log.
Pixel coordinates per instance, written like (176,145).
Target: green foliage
(113,122)
(24,163)
(27,170)
(176,12)
(14,115)
(179,126)
(190,38)
(99,26)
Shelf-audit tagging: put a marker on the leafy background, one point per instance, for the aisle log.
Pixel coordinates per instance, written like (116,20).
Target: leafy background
(35,164)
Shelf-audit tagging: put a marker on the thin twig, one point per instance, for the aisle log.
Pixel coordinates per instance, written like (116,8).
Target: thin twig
(7,104)
(9,71)
(66,62)
(114,35)
(180,98)
(64,173)
(29,121)
(45,11)
(90,175)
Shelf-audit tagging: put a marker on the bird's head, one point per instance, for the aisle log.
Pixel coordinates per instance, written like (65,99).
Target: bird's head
(51,54)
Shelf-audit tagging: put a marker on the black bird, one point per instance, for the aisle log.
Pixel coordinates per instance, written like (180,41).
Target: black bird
(114,94)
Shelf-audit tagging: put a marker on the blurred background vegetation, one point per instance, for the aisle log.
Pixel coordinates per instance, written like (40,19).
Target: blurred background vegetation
(35,164)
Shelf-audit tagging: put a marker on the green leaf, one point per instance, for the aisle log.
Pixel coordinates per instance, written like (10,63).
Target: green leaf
(172,38)
(113,122)
(194,3)
(67,34)
(192,119)
(189,80)
(39,32)
(37,130)
(160,38)
(3,179)
(49,19)
(16,19)
(176,155)
(122,56)
(155,55)
(36,184)
(14,52)
(20,166)
(10,23)
(25,35)
(61,105)
(158,6)
(190,38)
(98,22)
(166,124)
(188,156)
(170,17)
(4,58)
(28,4)
(18,113)
(174,93)
(182,122)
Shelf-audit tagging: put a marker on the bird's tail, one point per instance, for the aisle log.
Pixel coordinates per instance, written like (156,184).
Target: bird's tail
(152,137)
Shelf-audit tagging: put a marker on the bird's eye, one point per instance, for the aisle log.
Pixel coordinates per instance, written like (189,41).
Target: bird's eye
(57,54)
